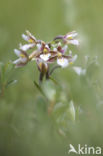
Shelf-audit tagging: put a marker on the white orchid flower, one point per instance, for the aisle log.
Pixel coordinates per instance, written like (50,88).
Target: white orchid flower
(63,62)
(23,58)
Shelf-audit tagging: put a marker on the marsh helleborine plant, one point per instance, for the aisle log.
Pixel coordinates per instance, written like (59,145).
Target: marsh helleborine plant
(46,53)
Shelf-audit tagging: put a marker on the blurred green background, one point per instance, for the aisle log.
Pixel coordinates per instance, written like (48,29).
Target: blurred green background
(26,127)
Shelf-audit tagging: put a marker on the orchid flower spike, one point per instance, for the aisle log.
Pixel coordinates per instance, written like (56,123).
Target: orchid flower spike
(45,54)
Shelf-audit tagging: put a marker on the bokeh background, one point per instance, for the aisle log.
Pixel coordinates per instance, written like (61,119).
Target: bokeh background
(72,111)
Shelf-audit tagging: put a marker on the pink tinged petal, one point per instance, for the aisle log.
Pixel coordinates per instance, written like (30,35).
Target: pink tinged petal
(39,46)
(24,59)
(71,35)
(74,42)
(63,62)
(46,46)
(20,62)
(17,52)
(54,49)
(25,37)
(45,57)
(17,61)
(26,46)
(64,49)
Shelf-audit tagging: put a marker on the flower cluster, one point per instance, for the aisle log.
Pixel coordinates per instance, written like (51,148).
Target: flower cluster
(46,53)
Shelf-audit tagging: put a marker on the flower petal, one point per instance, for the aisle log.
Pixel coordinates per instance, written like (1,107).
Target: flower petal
(63,62)
(17,61)
(17,52)
(74,42)
(71,35)
(54,49)
(39,46)
(26,46)
(45,57)
(46,46)
(20,62)
(29,37)
(25,37)
(64,49)
(24,59)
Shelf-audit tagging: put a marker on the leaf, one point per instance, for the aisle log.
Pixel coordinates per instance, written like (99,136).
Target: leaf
(12,82)
(39,88)
(49,90)
(72,110)
(2,72)
(5,69)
